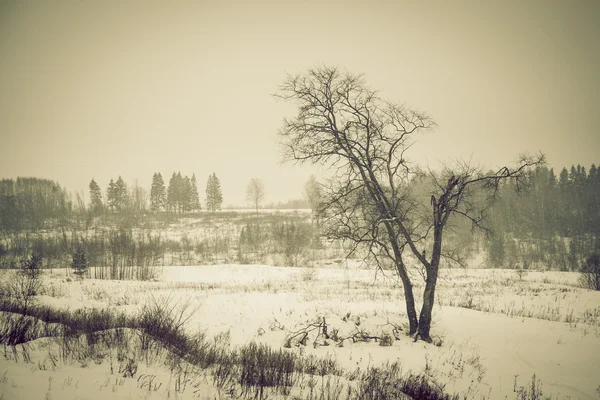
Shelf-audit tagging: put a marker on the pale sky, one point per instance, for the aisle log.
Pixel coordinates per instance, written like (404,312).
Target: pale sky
(101,89)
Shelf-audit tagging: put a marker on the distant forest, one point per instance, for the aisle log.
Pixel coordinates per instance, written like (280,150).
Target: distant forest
(551,222)
(555,220)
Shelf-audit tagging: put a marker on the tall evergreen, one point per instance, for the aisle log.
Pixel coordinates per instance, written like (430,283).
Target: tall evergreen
(158,196)
(214,196)
(80,263)
(121,195)
(186,194)
(195,198)
(180,193)
(173,193)
(111,195)
(95,197)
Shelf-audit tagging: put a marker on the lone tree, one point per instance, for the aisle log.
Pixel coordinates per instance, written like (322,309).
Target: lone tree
(371,200)
(255,192)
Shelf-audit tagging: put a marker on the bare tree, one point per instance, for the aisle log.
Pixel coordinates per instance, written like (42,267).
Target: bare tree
(255,192)
(370,200)
(312,192)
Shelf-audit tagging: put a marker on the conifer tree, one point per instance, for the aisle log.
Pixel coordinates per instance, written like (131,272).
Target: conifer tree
(80,263)
(195,197)
(158,196)
(173,193)
(111,195)
(95,198)
(214,196)
(186,194)
(180,193)
(120,195)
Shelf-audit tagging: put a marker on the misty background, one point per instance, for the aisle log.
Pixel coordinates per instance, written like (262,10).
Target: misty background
(98,90)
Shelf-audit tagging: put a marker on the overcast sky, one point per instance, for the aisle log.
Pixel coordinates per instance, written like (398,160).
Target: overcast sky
(101,89)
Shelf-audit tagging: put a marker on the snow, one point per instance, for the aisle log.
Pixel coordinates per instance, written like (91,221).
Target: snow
(496,329)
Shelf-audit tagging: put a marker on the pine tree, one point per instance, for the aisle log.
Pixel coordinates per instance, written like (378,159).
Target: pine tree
(120,195)
(95,198)
(158,196)
(173,193)
(195,197)
(209,197)
(180,190)
(214,196)
(186,194)
(80,263)
(218,192)
(111,195)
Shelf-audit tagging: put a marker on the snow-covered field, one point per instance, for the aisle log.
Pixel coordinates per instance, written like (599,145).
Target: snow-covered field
(493,329)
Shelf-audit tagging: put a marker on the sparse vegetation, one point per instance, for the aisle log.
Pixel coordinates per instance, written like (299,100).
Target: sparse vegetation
(26,283)
(590,272)
(255,369)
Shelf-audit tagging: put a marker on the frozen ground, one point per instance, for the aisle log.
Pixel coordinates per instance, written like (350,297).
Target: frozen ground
(495,329)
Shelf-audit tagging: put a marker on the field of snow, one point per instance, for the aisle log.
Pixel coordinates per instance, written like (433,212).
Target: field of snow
(492,329)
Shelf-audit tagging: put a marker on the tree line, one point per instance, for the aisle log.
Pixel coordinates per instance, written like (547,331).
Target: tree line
(179,197)
(556,221)
(31,203)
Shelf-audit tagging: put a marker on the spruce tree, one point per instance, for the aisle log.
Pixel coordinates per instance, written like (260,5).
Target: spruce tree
(158,196)
(195,197)
(80,263)
(173,193)
(121,196)
(214,196)
(209,198)
(186,194)
(95,198)
(180,198)
(218,192)
(111,195)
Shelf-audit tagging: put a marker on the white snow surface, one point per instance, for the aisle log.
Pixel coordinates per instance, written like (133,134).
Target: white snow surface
(495,329)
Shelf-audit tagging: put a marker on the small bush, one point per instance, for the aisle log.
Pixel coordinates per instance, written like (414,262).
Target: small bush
(263,367)
(163,319)
(387,382)
(308,274)
(590,272)
(27,282)
(386,340)
(16,329)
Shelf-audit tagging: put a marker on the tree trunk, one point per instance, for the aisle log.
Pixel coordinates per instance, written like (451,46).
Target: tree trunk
(429,292)
(425,316)
(409,298)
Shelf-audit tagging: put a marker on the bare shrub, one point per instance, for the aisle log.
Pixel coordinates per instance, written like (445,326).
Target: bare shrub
(264,367)
(308,274)
(386,340)
(163,319)
(27,282)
